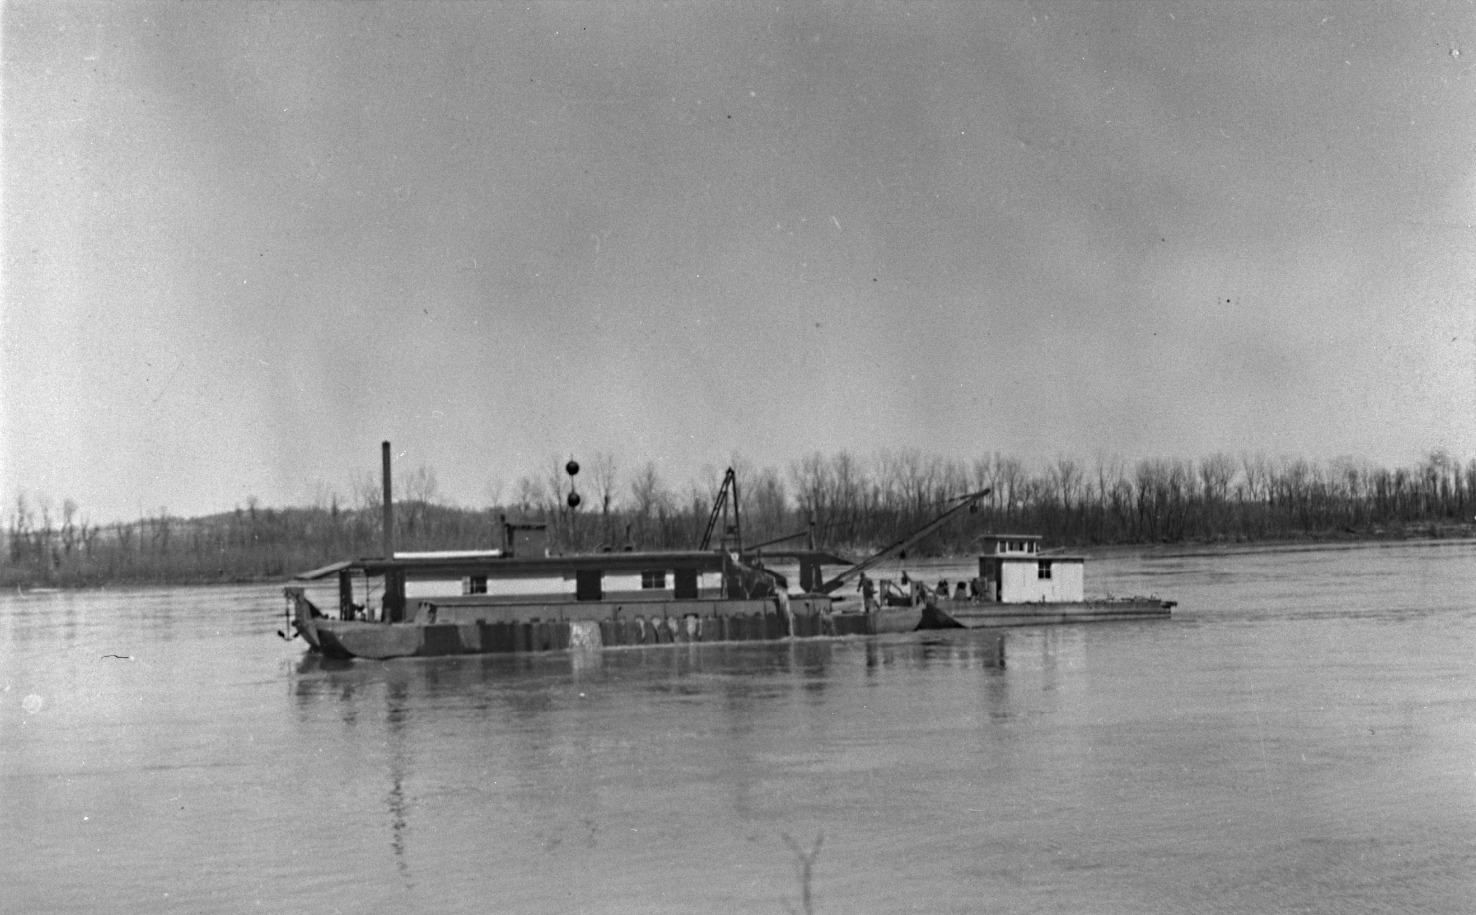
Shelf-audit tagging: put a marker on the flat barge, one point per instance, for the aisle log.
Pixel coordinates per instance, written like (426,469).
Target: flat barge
(1018,584)
(591,601)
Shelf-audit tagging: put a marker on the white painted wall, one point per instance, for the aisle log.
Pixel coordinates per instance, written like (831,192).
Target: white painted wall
(1020,581)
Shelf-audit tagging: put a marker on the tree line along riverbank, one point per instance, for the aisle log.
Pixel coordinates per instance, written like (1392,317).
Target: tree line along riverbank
(852,505)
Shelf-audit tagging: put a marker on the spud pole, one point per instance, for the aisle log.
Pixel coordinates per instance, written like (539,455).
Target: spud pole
(389,506)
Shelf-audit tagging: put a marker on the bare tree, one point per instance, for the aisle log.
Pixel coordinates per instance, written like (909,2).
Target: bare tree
(846,490)
(813,485)
(652,501)
(557,484)
(419,490)
(162,530)
(492,492)
(768,506)
(1152,493)
(367,491)
(916,477)
(1011,475)
(986,476)
(1256,470)
(421,485)
(88,533)
(529,495)
(604,477)
(69,527)
(123,534)
(1435,481)
(20,528)
(1109,471)
(1216,471)
(44,532)
(1065,477)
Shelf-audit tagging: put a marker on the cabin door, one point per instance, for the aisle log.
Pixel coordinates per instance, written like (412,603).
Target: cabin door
(989,579)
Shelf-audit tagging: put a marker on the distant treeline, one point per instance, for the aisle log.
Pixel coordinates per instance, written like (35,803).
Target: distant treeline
(852,504)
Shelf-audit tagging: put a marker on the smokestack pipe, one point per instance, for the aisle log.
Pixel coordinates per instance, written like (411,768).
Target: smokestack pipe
(389,507)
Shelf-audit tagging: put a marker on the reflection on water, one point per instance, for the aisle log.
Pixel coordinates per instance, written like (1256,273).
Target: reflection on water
(981,649)
(1299,737)
(524,717)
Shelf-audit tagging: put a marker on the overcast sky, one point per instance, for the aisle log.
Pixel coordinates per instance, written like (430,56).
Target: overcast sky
(245,242)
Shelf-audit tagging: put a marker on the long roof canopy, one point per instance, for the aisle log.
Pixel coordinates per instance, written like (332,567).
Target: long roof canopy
(454,566)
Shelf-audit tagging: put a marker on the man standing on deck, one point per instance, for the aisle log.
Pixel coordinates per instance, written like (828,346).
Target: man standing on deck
(868,593)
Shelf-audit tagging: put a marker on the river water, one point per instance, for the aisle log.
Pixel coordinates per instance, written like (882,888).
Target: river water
(1301,737)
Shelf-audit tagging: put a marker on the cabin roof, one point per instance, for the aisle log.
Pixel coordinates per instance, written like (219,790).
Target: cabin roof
(1010,537)
(441,567)
(447,554)
(325,571)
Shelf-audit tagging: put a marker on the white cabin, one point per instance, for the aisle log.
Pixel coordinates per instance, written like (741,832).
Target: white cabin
(1013,571)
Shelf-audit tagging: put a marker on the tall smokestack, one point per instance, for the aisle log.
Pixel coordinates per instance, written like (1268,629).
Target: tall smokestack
(389,507)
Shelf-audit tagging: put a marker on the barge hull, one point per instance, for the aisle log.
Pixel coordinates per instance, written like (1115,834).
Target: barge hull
(552,627)
(985,616)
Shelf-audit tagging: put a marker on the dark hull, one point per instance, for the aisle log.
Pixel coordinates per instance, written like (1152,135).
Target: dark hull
(560,626)
(984,616)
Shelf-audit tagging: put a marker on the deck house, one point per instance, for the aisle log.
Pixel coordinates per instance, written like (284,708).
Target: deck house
(1012,570)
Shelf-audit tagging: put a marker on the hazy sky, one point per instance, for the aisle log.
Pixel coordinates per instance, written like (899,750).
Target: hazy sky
(245,242)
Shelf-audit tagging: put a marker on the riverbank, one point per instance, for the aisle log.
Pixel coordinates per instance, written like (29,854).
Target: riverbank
(30,580)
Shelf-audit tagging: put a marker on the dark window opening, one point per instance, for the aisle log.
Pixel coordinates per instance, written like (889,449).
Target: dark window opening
(587,585)
(686,584)
(1043,569)
(653,580)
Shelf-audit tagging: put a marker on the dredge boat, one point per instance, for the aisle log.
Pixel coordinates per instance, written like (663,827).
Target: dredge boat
(511,602)
(517,598)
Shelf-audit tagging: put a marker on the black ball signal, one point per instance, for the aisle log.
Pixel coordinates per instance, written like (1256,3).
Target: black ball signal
(574,500)
(572,468)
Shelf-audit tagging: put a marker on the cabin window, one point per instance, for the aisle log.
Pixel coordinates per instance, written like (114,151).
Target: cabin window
(477,584)
(653,580)
(1043,569)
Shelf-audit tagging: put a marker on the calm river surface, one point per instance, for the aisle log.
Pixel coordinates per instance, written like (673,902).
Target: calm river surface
(1301,737)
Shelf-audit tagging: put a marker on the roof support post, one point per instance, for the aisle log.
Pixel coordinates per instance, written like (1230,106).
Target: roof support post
(394,596)
(345,595)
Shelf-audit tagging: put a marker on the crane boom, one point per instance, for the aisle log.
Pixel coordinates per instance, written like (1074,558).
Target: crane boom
(965,502)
